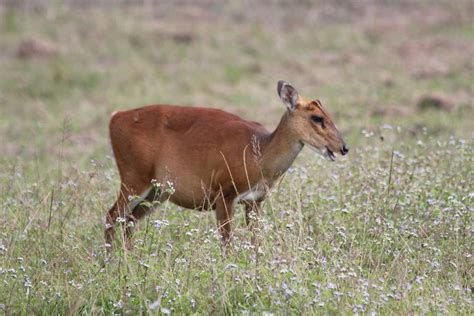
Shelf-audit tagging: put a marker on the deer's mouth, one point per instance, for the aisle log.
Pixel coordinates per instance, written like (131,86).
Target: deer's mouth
(325,152)
(329,154)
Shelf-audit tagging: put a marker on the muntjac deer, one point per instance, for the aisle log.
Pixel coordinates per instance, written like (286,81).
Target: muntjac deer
(212,158)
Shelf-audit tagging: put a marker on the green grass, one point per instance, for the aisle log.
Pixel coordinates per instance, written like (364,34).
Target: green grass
(387,229)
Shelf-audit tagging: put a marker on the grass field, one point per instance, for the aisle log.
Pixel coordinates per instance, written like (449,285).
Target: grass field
(387,229)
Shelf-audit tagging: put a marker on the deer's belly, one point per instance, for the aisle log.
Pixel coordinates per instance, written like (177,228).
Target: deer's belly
(192,200)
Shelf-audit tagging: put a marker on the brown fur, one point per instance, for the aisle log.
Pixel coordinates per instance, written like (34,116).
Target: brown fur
(210,156)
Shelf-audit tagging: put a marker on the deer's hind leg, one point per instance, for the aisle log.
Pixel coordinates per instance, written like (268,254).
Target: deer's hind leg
(138,208)
(129,211)
(117,210)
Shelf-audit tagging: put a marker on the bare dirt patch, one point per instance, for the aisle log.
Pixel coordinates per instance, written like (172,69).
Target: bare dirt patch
(434,102)
(36,48)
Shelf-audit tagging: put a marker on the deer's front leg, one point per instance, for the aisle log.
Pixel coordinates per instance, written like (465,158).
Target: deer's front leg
(252,213)
(224,215)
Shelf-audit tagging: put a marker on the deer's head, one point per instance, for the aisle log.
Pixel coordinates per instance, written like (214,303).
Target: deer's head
(311,124)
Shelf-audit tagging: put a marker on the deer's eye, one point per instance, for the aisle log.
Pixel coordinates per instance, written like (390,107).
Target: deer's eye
(317,119)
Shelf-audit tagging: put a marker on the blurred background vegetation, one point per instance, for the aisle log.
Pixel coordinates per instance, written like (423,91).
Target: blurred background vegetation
(74,62)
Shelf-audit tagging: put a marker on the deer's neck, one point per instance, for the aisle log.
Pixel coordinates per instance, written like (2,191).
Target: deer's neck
(279,149)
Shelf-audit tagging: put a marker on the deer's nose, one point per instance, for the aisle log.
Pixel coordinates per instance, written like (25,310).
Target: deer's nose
(345,149)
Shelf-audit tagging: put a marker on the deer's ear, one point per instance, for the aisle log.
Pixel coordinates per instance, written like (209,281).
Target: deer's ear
(288,94)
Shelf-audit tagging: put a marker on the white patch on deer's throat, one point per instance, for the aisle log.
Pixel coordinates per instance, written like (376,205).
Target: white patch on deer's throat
(254,194)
